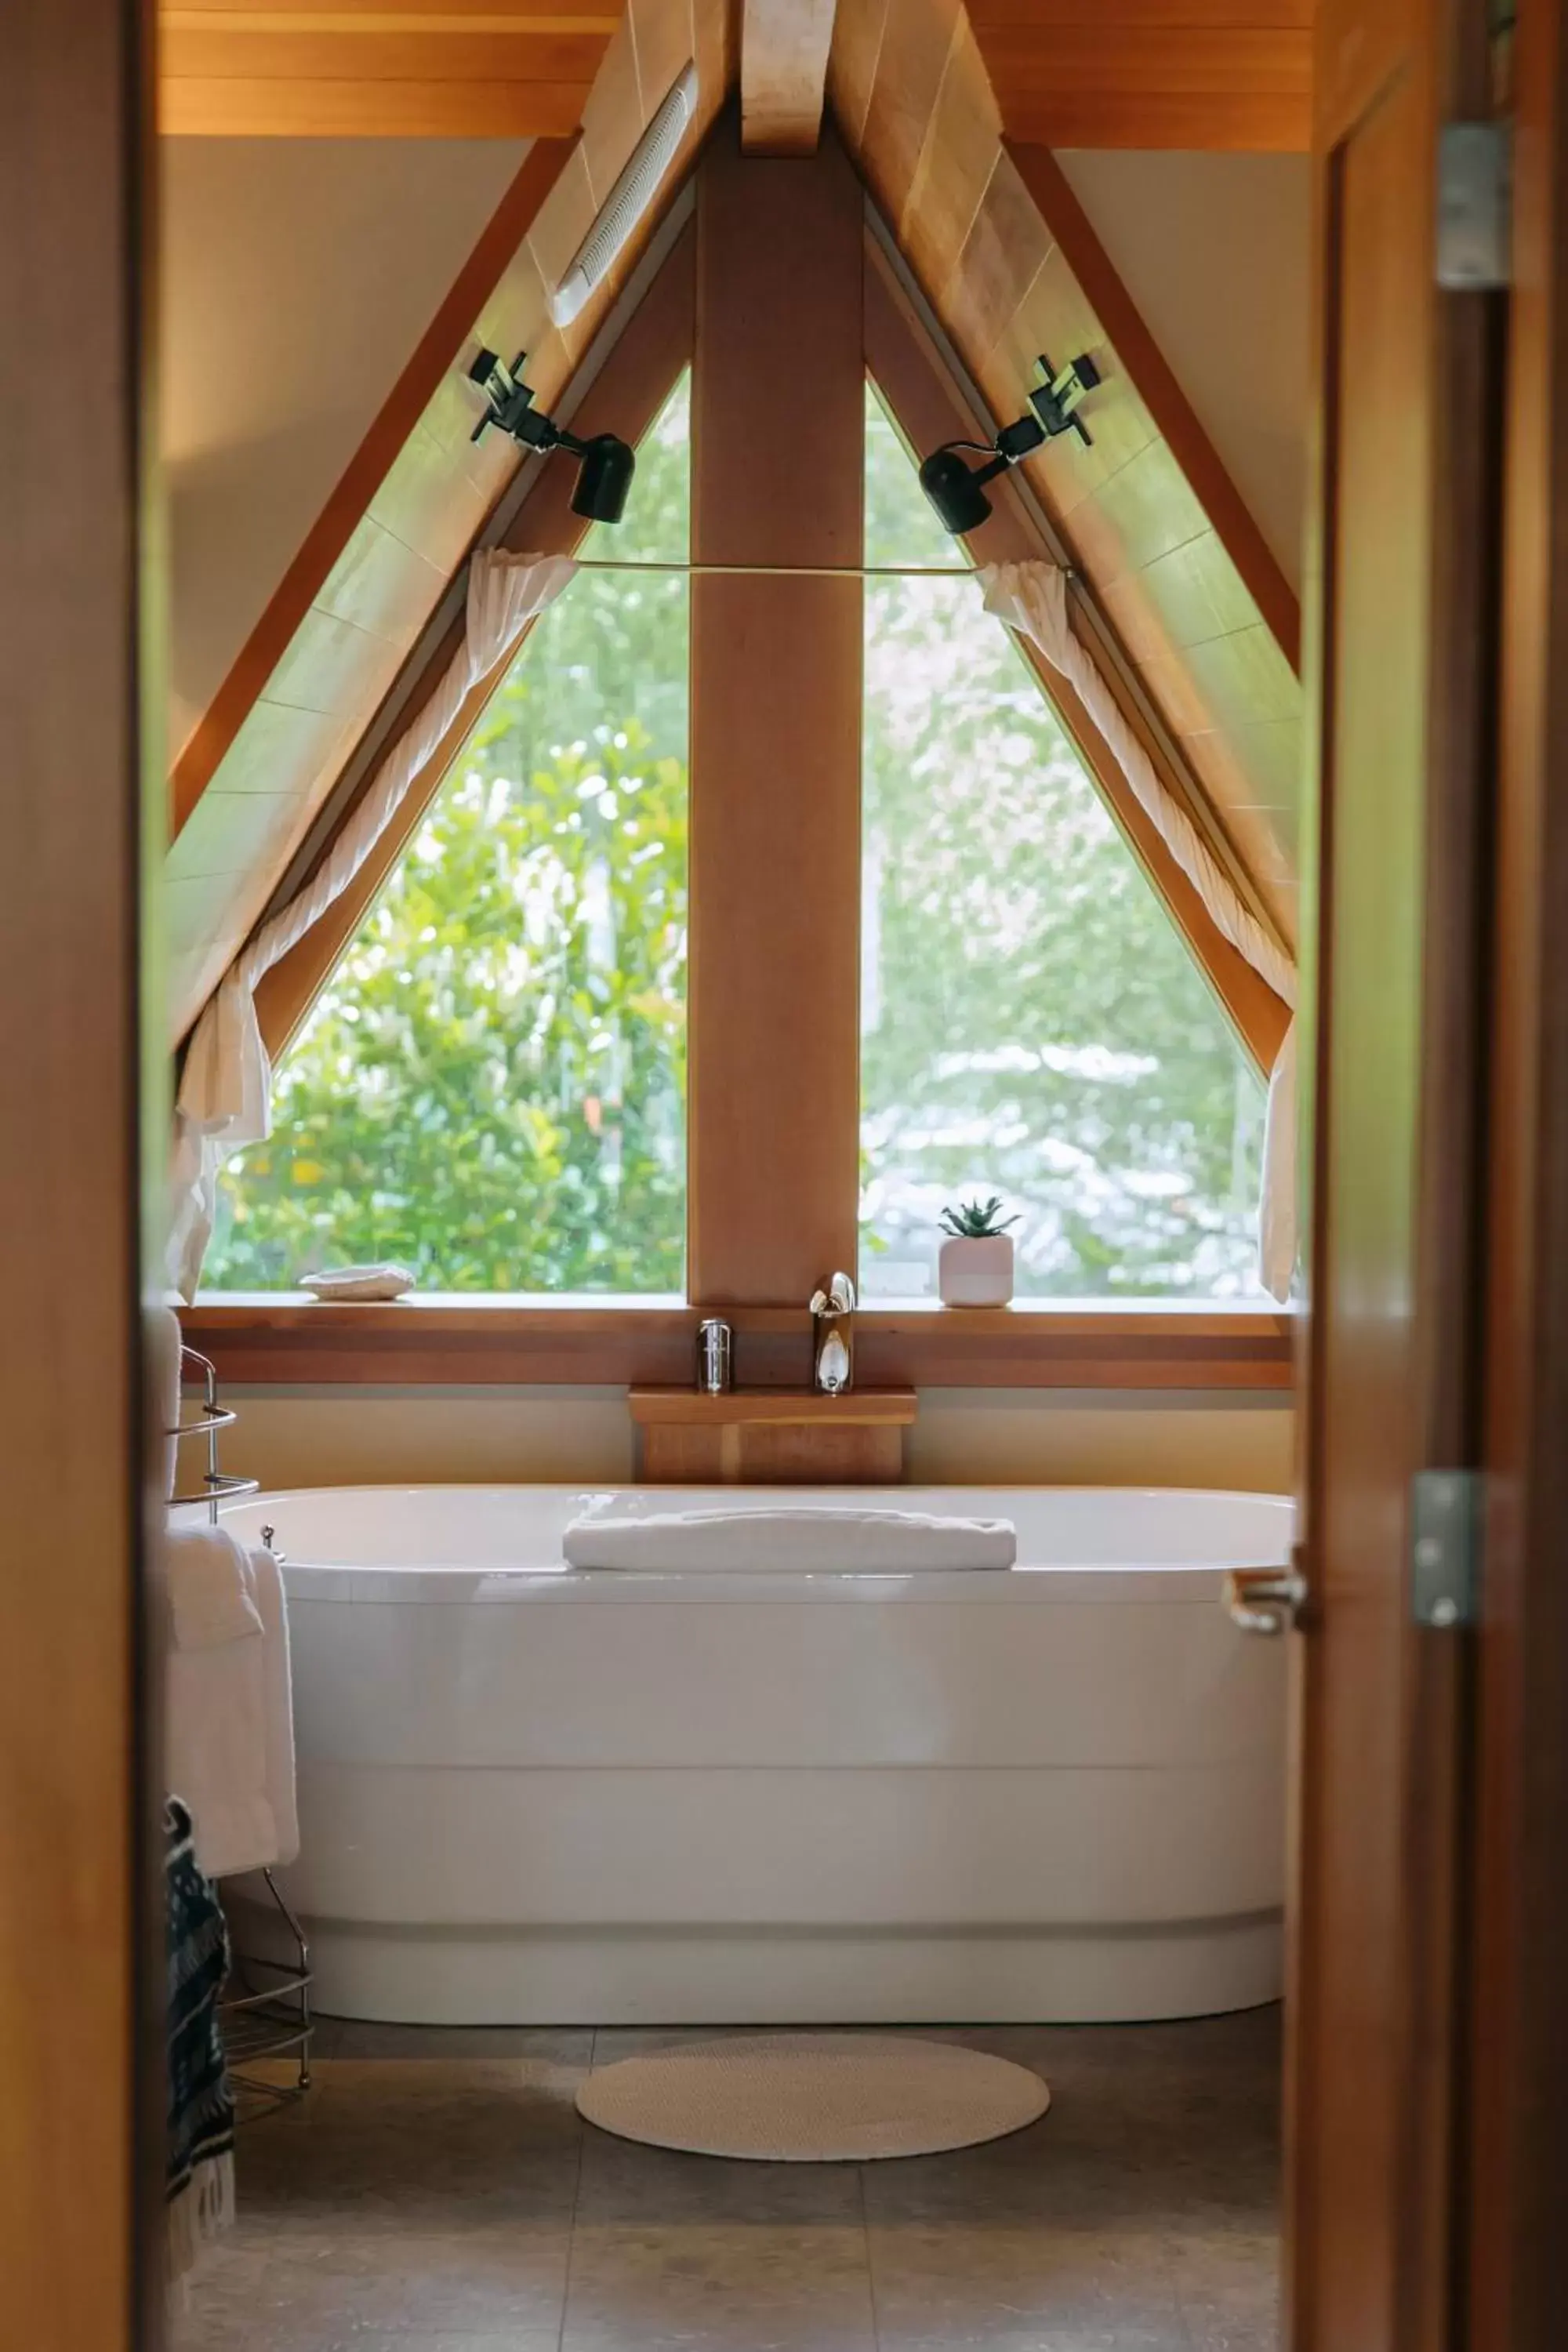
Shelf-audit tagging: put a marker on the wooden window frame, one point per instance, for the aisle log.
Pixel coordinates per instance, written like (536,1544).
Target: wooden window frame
(773,1130)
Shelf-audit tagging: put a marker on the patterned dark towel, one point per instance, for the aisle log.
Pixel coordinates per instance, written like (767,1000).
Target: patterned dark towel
(200,2185)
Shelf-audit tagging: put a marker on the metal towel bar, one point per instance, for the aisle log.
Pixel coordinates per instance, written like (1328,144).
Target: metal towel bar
(271,2020)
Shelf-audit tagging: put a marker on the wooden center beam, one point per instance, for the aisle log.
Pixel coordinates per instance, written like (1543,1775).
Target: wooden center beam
(784,74)
(778,478)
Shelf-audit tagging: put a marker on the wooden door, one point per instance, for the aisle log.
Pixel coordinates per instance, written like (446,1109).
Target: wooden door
(1399,683)
(80,1921)
(1518,2148)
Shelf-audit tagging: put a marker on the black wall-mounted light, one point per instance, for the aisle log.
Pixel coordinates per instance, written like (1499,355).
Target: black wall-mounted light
(957,490)
(605,462)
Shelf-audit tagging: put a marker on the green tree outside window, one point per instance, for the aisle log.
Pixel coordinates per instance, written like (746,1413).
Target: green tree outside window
(492,1087)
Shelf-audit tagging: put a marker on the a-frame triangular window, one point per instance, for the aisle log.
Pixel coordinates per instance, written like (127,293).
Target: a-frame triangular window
(1033,1023)
(492,1086)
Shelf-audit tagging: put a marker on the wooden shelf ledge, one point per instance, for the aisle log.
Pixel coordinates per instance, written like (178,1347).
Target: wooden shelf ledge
(764,1436)
(792,1408)
(286,1338)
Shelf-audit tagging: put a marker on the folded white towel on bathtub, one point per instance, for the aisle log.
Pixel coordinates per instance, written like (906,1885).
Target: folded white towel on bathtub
(874,1542)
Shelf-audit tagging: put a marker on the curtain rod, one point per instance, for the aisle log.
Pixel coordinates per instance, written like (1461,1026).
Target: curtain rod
(782,571)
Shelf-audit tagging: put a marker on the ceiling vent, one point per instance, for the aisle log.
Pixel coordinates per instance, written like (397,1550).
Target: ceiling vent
(628,199)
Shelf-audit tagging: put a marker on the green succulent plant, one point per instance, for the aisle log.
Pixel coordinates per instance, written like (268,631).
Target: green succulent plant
(975,1221)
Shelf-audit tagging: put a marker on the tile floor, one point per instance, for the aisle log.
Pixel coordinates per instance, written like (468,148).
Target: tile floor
(436,2193)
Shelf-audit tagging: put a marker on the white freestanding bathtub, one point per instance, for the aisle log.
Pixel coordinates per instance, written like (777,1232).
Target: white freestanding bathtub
(535,1795)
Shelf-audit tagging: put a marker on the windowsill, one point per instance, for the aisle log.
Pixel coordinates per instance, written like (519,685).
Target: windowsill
(596,1340)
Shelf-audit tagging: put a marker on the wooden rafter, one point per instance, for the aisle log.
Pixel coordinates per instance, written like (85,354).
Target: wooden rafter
(1185,585)
(1193,596)
(785,46)
(1099,283)
(471,69)
(253,779)
(395,420)
(627,394)
(930,409)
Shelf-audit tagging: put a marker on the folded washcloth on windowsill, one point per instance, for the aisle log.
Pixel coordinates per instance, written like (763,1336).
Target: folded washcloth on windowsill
(353,1283)
(210,1588)
(831,1541)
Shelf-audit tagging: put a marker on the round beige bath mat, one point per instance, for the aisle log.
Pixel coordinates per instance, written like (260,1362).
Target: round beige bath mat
(813,2098)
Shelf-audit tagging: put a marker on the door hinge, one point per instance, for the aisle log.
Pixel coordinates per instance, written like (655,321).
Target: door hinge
(1475,205)
(1446,1548)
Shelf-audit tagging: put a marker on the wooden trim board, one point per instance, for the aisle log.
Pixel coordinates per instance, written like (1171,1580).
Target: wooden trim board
(264,1340)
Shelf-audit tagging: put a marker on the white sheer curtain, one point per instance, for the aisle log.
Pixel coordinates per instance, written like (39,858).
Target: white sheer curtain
(1031,598)
(225,1088)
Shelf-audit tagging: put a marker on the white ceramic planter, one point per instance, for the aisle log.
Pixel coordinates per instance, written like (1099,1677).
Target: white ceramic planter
(977,1272)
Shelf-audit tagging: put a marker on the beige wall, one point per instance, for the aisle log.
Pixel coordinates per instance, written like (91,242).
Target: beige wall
(1215,250)
(313,1437)
(298,275)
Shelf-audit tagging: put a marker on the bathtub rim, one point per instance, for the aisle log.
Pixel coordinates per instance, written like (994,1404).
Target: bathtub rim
(1031,1582)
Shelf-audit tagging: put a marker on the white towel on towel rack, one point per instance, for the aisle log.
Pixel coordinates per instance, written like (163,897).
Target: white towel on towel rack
(229,1732)
(826,1539)
(211,1588)
(277,1692)
(163,1344)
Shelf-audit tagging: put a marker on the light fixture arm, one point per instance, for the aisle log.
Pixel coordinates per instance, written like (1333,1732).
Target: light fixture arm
(957,490)
(1054,401)
(606,464)
(510,403)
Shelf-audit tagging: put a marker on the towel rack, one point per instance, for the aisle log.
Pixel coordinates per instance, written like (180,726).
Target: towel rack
(272,2020)
(215,1486)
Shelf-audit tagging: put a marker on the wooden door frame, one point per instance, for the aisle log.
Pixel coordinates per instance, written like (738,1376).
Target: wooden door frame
(1519,2080)
(81,1979)
(1362,57)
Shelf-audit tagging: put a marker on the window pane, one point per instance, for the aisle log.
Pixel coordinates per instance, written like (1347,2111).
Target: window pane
(901,527)
(1033,1023)
(492,1087)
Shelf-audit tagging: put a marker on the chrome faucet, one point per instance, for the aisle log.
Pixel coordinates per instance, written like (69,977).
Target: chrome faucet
(832,1336)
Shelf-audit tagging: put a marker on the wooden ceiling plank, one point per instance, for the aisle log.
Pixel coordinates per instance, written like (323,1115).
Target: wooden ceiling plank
(784,46)
(1175,61)
(917,42)
(372,17)
(1216,122)
(994,19)
(858,30)
(664,37)
(957,159)
(615,114)
(369,109)
(1139,358)
(1007,247)
(473,57)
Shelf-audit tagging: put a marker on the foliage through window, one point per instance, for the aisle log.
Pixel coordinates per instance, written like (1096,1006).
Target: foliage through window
(1032,1021)
(492,1087)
